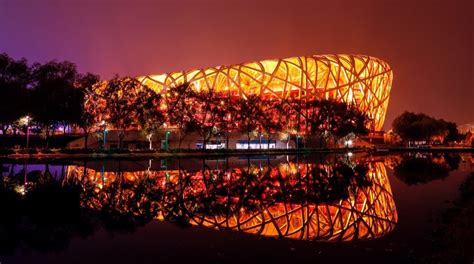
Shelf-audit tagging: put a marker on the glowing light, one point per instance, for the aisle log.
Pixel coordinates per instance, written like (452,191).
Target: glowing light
(20,189)
(25,121)
(371,204)
(356,79)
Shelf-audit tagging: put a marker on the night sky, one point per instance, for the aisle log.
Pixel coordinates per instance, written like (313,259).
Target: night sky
(428,43)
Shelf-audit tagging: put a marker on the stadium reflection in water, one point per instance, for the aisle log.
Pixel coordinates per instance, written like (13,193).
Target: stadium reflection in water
(340,200)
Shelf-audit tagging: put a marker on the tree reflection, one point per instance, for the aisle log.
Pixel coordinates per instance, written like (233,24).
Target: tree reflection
(9,225)
(317,201)
(225,193)
(421,169)
(122,205)
(43,214)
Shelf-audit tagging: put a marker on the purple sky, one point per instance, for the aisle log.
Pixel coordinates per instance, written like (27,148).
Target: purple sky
(428,43)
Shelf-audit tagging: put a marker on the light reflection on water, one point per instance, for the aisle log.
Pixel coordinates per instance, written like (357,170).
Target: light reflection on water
(311,201)
(334,198)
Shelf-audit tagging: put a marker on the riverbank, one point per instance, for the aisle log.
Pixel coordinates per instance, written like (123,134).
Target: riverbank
(172,153)
(98,154)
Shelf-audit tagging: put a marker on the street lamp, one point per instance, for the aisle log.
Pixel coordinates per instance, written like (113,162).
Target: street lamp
(104,136)
(150,142)
(26,122)
(27,131)
(167,135)
(349,155)
(348,143)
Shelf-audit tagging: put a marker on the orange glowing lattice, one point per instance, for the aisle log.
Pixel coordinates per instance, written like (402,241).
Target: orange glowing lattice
(367,213)
(356,79)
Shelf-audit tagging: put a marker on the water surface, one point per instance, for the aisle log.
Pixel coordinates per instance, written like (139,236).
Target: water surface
(253,209)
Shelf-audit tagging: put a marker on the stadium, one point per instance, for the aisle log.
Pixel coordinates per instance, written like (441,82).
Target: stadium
(358,80)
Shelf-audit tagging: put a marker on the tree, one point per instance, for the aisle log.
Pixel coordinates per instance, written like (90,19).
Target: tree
(85,118)
(207,113)
(227,111)
(289,116)
(351,120)
(270,119)
(249,114)
(150,117)
(331,118)
(121,94)
(14,79)
(453,133)
(179,109)
(419,126)
(304,117)
(54,93)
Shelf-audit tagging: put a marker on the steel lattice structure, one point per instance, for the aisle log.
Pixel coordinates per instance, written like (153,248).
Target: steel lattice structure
(356,79)
(368,212)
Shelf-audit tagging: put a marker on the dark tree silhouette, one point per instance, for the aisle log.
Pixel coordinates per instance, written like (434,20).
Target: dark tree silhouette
(453,133)
(414,170)
(419,126)
(54,94)
(14,79)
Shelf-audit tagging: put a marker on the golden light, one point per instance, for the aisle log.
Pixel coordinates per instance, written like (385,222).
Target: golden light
(361,80)
(25,120)
(368,212)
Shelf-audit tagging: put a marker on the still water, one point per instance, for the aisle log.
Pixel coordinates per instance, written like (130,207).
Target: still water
(228,210)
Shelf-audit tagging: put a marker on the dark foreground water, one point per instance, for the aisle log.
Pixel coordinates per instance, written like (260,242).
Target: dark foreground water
(279,209)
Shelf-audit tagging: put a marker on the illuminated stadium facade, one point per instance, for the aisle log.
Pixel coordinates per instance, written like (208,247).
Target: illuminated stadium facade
(359,80)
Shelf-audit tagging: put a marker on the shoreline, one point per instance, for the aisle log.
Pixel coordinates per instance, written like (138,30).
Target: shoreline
(214,153)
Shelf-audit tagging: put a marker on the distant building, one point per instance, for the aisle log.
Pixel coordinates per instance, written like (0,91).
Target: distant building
(465,128)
